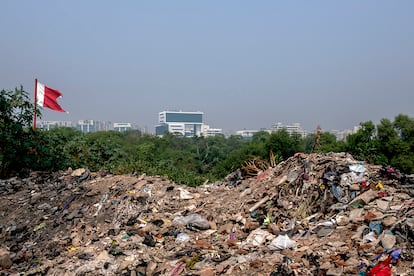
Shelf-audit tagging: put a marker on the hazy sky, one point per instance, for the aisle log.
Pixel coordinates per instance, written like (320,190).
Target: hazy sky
(245,64)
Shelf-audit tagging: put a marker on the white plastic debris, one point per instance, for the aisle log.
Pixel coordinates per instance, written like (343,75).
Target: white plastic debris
(182,238)
(282,242)
(184,194)
(258,237)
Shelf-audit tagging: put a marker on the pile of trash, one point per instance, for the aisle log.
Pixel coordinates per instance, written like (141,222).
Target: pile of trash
(313,214)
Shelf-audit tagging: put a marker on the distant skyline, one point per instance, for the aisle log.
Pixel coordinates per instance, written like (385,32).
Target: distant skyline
(245,64)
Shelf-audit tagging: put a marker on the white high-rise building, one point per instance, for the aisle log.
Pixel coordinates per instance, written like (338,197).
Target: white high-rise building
(208,131)
(184,123)
(87,126)
(180,123)
(47,125)
(291,129)
(121,127)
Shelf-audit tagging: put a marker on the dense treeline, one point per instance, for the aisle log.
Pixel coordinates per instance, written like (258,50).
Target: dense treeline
(185,160)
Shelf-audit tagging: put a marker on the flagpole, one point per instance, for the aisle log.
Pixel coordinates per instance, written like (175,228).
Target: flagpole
(35,103)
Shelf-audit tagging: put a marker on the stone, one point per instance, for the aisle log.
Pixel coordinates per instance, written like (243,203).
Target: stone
(5,261)
(78,172)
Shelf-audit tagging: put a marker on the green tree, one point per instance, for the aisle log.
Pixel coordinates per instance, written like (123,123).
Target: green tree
(404,160)
(405,128)
(389,144)
(283,144)
(53,153)
(328,143)
(363,145)
(17,139)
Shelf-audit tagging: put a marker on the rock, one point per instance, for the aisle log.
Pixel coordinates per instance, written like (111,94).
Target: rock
(78,172)
(5,261)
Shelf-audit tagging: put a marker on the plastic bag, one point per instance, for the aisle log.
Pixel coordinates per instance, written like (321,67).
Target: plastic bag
(381,269)
(282,242)
(193,220)
(182,238)
(359,168)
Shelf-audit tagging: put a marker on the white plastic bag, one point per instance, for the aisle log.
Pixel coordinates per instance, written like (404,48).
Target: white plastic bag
(282,242)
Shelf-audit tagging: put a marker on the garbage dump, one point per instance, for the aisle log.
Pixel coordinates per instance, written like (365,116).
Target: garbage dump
(313,214)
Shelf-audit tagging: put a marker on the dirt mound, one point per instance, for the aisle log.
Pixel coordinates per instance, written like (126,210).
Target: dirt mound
(310,215)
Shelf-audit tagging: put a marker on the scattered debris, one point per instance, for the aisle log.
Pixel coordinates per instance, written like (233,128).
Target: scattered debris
(313,214)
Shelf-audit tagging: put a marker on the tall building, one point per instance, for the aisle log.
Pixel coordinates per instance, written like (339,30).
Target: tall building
(248,134)
(208,131)
(342,134)
(47,125)
(180,122)
(291,129)
(121,127)
(87,126)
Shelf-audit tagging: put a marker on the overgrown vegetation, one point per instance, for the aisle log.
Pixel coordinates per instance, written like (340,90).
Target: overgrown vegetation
(190,161)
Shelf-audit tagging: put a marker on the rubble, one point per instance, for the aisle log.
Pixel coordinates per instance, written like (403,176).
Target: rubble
(313,214)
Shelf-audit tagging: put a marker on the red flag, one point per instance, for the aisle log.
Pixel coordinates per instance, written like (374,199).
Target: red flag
(47,97)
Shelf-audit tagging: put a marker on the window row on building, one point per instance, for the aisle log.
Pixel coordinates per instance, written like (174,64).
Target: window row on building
(184,123)
(86,126)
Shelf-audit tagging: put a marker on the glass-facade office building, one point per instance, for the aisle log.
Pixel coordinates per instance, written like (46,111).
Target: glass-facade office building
(180,123)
